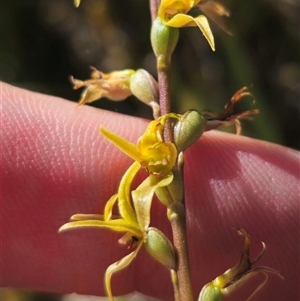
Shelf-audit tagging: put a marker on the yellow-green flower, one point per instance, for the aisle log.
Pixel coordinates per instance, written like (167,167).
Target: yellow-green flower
(151,151)
(173,13)
(158,157)
(236,276)
(133,221)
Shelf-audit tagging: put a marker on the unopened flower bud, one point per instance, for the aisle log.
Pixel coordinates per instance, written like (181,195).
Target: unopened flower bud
(188,129)
(163,38)
(160,248)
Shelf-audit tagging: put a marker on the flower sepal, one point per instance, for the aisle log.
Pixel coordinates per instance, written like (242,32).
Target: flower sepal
(113,85)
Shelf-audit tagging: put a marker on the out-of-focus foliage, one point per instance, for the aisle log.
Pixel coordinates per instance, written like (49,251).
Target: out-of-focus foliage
(8,294)
(43,42)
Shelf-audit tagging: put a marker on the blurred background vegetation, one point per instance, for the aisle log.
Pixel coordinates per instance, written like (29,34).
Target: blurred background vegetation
(44,42)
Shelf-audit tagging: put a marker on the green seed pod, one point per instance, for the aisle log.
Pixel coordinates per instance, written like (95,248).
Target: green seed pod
(210,292)
(145,88)
(163,38)
(188,129)
(160,248)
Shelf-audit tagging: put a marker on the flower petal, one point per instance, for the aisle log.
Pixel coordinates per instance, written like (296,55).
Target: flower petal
(117,225)
(109,207)
(178,5)
(203,25)
(143,195)
(117,266)
(82,217)
(181,20)
(124,197)
(93,91)
(125,146)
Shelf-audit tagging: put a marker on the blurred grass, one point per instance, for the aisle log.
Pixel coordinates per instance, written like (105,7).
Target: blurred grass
(43,42)
(9,294)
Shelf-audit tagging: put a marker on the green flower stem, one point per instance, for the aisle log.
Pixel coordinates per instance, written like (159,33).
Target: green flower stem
(181,278)
(163,69)
(163,74)
(176,216)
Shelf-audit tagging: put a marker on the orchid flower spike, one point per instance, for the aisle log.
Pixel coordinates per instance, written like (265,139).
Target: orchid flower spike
(234,277)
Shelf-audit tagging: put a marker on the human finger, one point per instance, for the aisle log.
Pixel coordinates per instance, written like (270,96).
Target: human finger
(56,164)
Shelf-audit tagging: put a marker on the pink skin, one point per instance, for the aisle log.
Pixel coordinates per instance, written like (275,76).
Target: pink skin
(55,164)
